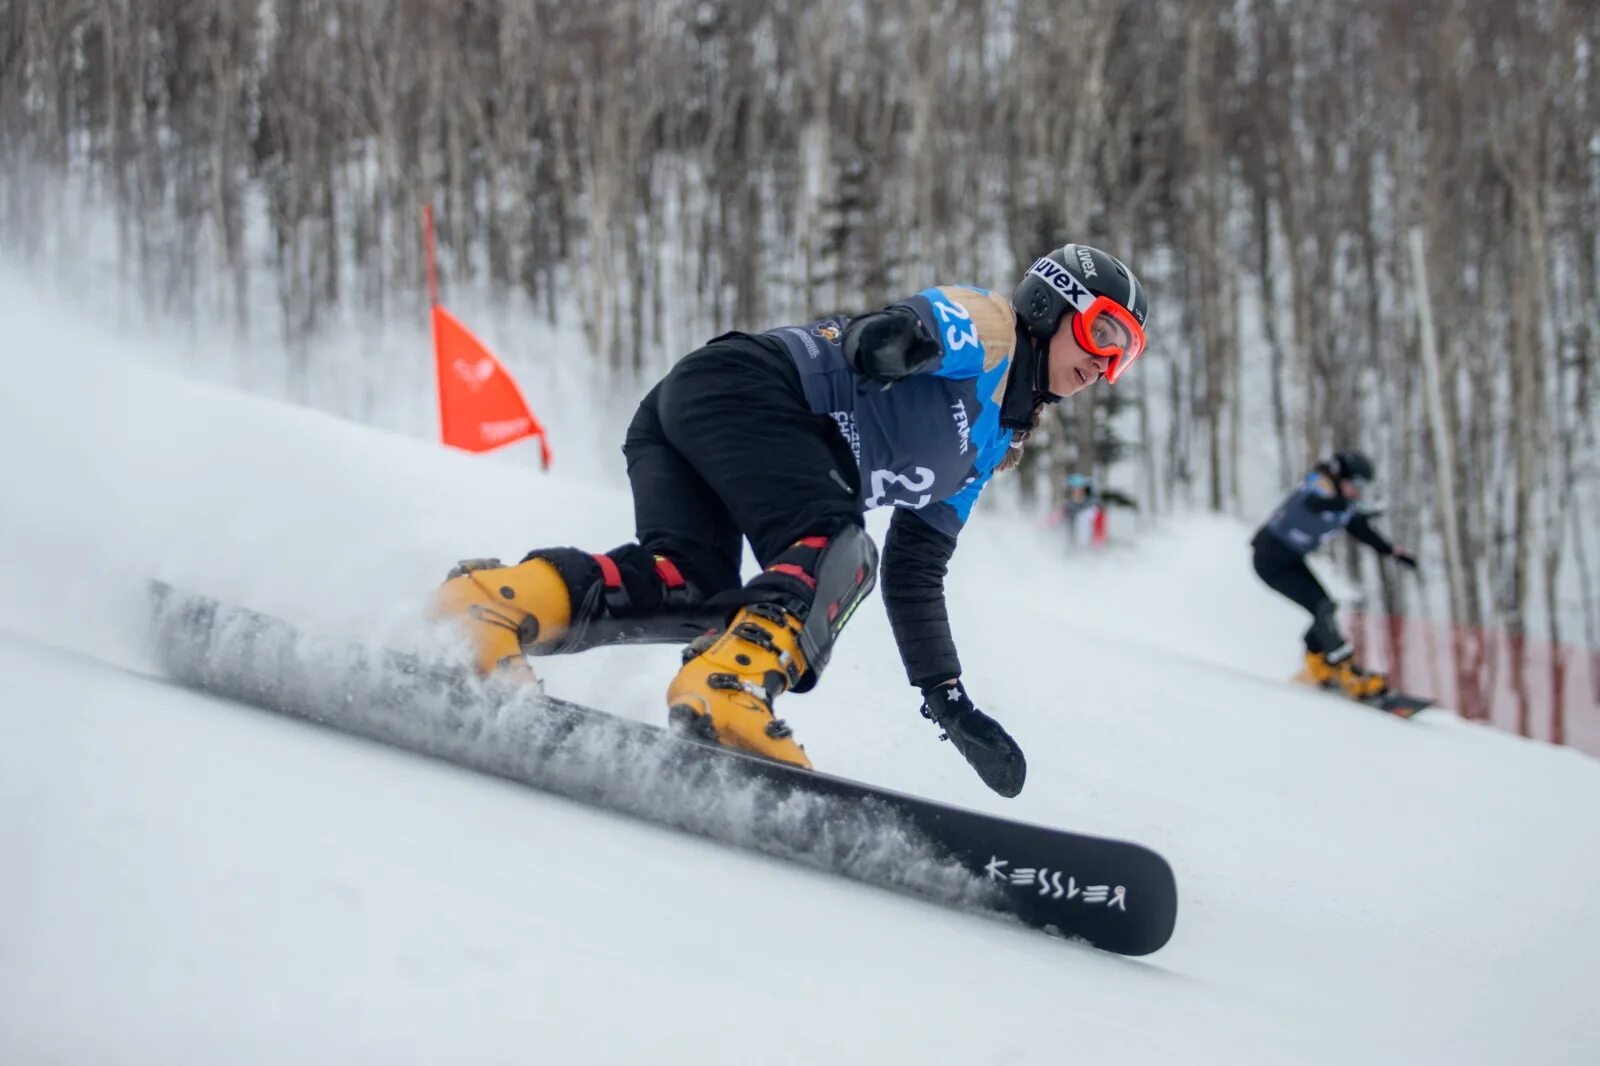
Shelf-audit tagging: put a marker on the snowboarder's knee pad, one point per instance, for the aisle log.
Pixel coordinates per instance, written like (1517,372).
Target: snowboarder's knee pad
(820,580)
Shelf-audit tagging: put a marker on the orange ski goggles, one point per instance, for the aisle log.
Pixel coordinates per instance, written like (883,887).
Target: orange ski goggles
(1107,329)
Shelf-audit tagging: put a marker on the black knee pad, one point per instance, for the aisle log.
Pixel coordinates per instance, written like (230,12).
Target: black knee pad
(821,581)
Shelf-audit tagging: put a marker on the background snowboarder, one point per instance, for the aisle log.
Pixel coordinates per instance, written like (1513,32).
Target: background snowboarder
(786,438)
(1325,502)
(1083,510)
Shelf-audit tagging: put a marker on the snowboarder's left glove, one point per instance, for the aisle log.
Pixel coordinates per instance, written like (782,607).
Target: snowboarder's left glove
(980,739)
(889,345)
(1404,558)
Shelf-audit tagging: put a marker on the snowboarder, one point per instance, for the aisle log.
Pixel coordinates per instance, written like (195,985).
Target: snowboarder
(1326,501)
(785,438)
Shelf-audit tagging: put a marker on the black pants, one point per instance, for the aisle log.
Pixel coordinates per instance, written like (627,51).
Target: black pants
(725,445)
(1287,573)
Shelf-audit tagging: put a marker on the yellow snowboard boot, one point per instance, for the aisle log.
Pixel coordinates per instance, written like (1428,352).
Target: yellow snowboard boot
(724,694)
(507,611)
(1319,671)
(779,642)
(1358,684)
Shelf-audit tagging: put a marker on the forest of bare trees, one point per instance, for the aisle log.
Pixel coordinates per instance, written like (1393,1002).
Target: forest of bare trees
(1373,222)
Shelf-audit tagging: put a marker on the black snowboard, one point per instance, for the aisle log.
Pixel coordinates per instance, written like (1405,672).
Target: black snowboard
(1399,704)
(1115,895)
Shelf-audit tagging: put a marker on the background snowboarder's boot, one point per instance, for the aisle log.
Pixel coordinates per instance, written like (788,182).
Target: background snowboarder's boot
(779,641)
(1319,671)
(981,740)
(1350,678)
(1339,671)
(1358,684)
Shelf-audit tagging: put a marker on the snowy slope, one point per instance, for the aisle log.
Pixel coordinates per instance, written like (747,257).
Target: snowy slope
(189,881)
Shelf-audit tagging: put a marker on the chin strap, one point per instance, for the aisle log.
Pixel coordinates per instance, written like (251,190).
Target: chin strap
(1041,379)
(1025,386)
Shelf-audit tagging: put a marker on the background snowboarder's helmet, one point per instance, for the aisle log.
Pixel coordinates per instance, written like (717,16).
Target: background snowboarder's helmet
(1352,466)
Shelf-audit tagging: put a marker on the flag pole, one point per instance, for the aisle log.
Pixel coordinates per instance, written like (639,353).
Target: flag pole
(427,244)
(433,312)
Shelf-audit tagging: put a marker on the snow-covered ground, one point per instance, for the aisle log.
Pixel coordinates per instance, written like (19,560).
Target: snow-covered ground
(191,882)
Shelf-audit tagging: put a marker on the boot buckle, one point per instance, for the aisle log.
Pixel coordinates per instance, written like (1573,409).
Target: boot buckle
(754,634)
(734,683)
(467,566)
(772,612)
(725,682)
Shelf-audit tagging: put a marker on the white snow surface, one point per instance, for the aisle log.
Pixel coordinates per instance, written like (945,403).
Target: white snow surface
(188,881)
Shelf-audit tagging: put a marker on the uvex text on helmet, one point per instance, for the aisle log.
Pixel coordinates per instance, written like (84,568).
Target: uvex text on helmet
(1070,278)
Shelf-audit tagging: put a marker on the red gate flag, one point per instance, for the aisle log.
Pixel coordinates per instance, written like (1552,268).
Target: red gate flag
(480,406)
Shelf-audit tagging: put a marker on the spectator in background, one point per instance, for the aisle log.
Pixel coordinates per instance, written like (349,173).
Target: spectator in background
(1083,511)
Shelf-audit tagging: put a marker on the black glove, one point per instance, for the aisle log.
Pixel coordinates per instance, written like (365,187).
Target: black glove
(980,739)
(1403,557)
(889,345)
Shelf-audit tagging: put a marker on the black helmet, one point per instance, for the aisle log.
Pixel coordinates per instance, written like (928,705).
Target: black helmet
(1086,282)
(1351,466)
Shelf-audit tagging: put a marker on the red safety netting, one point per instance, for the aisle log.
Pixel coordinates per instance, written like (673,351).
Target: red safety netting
(1526,686)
